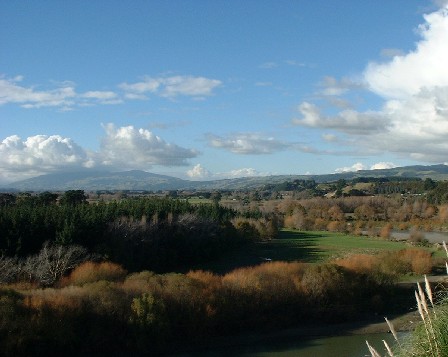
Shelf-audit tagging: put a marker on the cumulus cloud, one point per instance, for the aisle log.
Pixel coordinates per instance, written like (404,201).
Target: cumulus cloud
(129,147)
(382,166)
(198,172)
(247,143)
(359,166)
(40,154)
(413,118)
(425,67)
(121,148)
(244,172)
(171,87)
(355,167)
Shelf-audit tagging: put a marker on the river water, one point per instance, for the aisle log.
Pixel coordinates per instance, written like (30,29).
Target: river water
(432,237)
(336,346)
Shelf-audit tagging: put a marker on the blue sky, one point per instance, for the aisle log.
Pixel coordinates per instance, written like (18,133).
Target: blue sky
(217,89)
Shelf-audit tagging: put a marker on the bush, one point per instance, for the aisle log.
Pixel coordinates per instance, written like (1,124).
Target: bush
(90,272)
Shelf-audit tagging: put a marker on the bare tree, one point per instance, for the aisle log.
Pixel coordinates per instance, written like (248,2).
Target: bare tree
(53,261)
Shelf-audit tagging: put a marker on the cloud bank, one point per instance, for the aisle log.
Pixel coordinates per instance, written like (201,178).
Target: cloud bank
(121,148)
(413,119)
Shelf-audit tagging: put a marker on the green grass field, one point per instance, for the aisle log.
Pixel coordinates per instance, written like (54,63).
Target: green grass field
(310,247)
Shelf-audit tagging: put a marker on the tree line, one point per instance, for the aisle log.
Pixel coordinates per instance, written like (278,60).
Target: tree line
(159,234)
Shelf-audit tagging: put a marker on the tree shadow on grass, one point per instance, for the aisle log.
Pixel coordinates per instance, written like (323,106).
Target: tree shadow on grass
(292,246)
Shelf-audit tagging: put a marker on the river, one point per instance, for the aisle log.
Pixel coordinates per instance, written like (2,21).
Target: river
(432,237)
(336,346)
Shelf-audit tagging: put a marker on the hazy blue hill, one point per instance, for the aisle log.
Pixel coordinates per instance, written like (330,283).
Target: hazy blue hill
(141,180)
(87,180)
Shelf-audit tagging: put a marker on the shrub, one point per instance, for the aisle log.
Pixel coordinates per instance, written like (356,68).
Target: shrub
(420,260)
(90,272)
(139,283)
(359,263)
(385,231)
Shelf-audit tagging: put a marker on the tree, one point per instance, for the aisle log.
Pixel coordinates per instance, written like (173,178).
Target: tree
(7,199)
(73,197)
(53,261)
(48,198)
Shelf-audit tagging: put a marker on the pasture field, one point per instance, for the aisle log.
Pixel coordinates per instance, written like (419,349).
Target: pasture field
(306,246)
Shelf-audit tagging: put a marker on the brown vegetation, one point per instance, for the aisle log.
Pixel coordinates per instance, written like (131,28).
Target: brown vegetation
(104,311)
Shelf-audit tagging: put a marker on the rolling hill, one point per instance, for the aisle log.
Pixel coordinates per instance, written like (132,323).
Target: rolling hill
(141,180)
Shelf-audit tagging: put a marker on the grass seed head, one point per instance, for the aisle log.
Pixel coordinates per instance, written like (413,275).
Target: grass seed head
(392,329)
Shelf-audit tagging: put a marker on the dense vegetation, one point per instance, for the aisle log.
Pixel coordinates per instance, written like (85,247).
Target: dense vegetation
(100,309)
(90,276)
(159,234)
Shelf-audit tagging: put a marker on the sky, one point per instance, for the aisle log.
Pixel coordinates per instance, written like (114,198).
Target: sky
(216,89)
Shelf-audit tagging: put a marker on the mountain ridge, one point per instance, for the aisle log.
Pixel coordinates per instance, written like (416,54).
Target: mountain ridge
(146,181)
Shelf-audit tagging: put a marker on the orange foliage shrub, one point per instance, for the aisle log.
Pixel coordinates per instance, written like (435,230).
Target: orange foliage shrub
(385,231)
(417,261)
(90,272)
(336,226)
(69,298)
(360,263)
(420,260)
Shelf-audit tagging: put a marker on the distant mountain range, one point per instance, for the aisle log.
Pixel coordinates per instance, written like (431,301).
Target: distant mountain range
(144,181)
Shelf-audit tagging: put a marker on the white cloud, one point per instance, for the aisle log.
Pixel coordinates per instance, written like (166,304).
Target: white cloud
(247,143)
(65,97)
(413,119)
(171,87)
(28,97)
(244,172)
(382,166)
(348,121)
(103,95)
(425,67)
(128,147)
(40,154)
(355,167)
(198,172)
(359,166)
(238,173)
(121,148)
